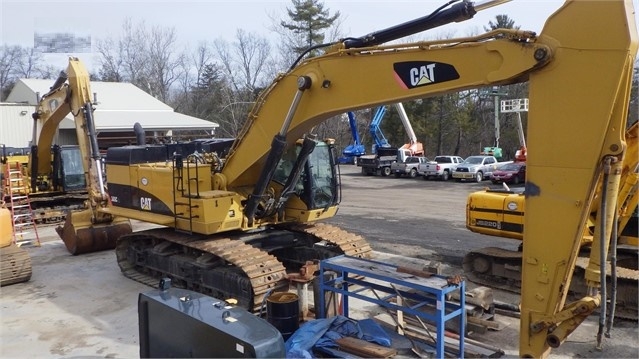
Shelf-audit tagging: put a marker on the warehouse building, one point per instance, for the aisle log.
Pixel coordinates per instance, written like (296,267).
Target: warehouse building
(119,106)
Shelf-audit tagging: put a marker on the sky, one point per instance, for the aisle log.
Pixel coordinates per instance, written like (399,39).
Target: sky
(199,20)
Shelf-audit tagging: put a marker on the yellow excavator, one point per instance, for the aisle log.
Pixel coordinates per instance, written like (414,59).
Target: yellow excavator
(56,186)
(500,212)
(71,94)
(15,264)
(236,230)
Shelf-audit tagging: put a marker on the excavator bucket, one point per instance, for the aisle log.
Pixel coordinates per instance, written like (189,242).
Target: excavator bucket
(81,236)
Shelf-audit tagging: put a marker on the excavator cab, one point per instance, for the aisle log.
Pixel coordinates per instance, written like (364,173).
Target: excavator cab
(68,173)
(313,177)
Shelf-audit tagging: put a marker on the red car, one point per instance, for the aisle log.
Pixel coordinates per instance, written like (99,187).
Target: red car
(514,173)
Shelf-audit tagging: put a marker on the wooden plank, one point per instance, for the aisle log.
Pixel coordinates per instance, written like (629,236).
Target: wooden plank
(365,349)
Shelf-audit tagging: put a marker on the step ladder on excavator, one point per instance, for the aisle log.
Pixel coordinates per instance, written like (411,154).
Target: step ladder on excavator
(25,231)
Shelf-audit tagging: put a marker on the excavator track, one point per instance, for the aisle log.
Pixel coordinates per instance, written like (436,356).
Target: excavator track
(501,268)
(15,265)
(246,266)
(350,244)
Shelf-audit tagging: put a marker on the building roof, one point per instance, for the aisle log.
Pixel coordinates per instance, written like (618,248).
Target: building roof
(119,106)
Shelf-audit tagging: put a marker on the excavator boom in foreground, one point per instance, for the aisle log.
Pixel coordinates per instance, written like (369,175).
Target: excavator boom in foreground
(236,231)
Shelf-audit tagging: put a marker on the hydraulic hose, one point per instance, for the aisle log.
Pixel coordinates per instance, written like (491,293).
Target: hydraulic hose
(613,275)
(602,251)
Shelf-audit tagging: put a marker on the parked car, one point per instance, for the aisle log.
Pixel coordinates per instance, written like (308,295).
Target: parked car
(408,167)
(441,167)
(513,173)
(477,168)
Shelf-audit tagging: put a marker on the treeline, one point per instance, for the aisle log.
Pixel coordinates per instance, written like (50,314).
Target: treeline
(219,81)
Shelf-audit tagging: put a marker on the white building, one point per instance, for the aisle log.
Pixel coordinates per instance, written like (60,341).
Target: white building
(119,106)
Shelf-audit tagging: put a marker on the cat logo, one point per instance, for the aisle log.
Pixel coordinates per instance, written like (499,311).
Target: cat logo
(422,75)
(414,74)
(145,203)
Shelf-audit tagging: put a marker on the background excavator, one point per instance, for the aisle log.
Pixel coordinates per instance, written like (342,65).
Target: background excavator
(52,193)
(237,230)
(71,93)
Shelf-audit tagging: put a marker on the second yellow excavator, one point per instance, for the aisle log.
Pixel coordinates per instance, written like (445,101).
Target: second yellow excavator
(87,230)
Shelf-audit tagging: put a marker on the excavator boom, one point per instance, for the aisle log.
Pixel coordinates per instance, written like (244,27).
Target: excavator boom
(88,230)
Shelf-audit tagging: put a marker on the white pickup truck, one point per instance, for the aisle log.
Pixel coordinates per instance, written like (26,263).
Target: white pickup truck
(442,167)
(476,168)
(408,167)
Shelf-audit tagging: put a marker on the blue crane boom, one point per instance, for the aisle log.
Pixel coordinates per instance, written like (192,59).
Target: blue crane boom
(376,131)
(355,149)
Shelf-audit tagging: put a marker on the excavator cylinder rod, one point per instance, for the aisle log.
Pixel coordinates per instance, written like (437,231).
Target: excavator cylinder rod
(456,13)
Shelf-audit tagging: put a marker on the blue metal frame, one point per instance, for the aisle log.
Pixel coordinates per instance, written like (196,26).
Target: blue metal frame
(424,291)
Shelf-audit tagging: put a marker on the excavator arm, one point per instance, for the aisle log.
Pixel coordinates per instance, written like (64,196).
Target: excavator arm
(89,230)
(71,93)
(579,71)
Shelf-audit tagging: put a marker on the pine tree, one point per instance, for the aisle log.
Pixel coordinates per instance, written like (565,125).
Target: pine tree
(309,19)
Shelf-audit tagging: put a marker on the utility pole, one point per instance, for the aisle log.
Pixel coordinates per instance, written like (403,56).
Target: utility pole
(495,93)
(518,106)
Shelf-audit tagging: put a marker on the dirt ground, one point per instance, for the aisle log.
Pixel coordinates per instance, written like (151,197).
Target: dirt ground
(83,307)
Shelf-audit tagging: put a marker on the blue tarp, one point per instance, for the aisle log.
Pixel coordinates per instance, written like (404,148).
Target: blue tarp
(322,333)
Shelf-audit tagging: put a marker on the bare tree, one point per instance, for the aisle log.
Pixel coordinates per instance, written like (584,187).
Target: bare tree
(21,62)
(203,56)
(164,61)
(29,64)
(146,58)
(192,69)
(9,58)
(247,67)
(245,60)
(111,62)
(133,54)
